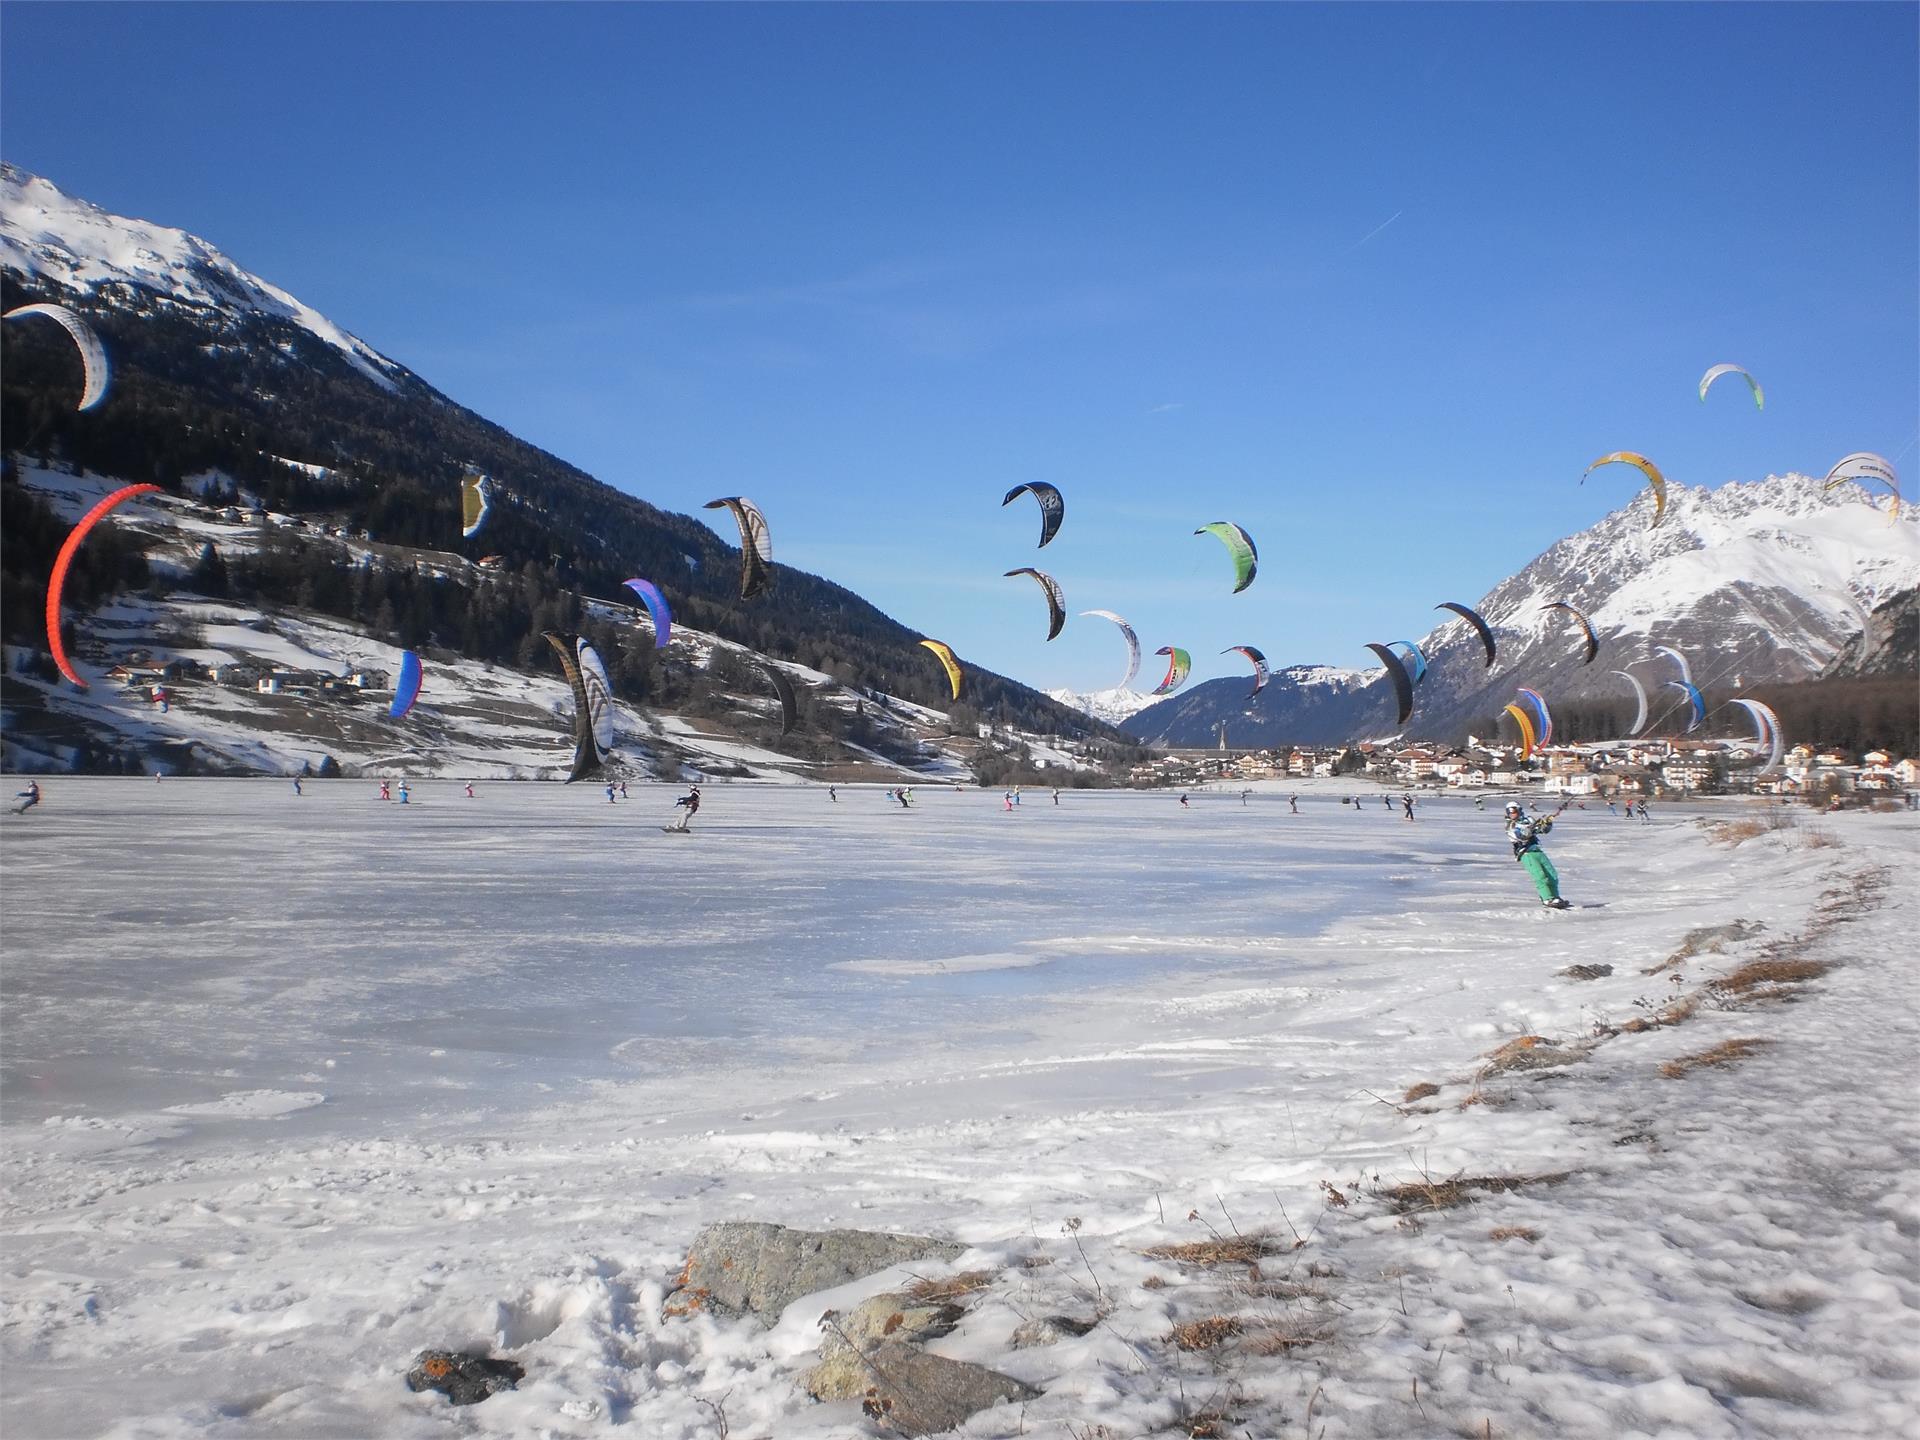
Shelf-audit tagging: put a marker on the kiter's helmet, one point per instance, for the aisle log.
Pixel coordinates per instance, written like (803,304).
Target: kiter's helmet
(1513,807)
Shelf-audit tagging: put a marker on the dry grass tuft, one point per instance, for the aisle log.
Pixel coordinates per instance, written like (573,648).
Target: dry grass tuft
(1420,1091)
(1726,1052)
(1270,1340)
(1732,832)
(1154,1282)
(1757,973)
(1514,1232)
(1036,1262)
(1222,1250)
(954,1287)
(1459,1190)
(1815,837)
(1206,1334)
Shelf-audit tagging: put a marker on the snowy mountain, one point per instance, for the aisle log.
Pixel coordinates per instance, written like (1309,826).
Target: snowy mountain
(1112,706)
(53,237)
(1755,582)
(345,467)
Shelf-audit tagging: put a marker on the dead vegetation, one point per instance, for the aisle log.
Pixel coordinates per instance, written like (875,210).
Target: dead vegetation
(949,1290)
(1727,1052)
(1222,1250)
(1763,979)
(1420,1092)
(1513,1232)
(1732,832)
(1428,1194)
(1207,1334)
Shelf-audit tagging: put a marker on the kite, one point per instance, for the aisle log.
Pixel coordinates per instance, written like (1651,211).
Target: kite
(93,358)
(1526,730)
(1864,466)
(1133,645)
(406,689)
(1246,559)
(1546,718)
(1419,660)
(1056,601)
(1473,619)
(756,543)
(1686,670)
(586,753)
(57,581)
(476,502)
(1396,672)
(789,705)
(1655,480)
(1770,734)
(657,611)
(1178,664)
(599,686)
(1260,673)
(1698,701)
(1053,509)
(1593,640)
(951,665)
(1640,693)
(1759,400)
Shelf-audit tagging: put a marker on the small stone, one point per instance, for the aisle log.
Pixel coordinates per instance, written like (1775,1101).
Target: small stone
(1050,1330)
(463,1379)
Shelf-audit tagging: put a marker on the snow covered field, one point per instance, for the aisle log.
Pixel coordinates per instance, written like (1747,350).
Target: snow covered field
(294,1088)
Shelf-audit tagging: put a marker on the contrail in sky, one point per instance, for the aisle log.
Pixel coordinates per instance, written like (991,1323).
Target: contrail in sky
(1376,230)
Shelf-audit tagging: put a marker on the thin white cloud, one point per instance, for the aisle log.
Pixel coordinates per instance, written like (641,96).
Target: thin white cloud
(1163,409)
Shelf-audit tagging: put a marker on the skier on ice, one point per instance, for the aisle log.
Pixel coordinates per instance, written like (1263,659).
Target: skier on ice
(28,797)
(1525,832)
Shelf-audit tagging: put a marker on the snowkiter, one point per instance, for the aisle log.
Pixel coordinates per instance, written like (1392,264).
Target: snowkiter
(296,784)
(1524,832)
(28,797)
(1294,801)
(690,800)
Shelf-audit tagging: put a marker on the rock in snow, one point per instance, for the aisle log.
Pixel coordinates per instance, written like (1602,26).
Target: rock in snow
(743,1267)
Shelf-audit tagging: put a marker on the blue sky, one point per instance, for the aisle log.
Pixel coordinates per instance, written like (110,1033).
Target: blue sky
(1374,281)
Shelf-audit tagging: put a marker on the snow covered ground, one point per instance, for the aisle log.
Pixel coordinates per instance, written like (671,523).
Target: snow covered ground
(295,1087)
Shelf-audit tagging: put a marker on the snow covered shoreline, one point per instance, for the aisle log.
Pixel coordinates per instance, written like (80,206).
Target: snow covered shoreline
(1111,1013)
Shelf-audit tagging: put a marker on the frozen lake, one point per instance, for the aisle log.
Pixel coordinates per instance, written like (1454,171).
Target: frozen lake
(169,944)
(291,1088)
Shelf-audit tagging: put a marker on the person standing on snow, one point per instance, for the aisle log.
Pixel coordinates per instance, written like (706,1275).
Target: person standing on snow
(1294,801)
(691,800)
(1524,832)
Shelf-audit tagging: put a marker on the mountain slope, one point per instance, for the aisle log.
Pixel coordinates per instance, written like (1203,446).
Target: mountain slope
(1757,582)
(217,372)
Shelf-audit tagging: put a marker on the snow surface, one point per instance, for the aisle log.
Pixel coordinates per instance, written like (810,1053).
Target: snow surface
(295,1087)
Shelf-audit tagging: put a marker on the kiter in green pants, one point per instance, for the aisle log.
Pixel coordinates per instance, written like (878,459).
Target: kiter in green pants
(1525,834)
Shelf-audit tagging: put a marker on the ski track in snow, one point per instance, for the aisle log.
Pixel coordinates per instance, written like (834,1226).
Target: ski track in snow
(297,1087)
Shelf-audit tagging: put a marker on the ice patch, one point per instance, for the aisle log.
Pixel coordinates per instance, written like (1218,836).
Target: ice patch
(252,1104)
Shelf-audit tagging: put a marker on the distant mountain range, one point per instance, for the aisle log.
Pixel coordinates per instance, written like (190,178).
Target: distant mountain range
(1757,583)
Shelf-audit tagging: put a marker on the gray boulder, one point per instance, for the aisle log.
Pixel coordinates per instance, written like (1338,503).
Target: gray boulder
(916,1393)
(842,1373)
(745,1267)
